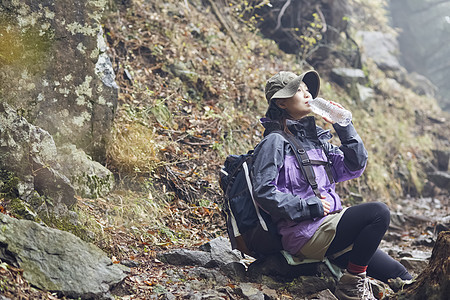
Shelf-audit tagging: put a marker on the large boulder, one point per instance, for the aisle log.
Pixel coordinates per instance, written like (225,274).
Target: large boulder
(425,40)
(89,178)
(381,47)
(29,153)
(53,68)
(57,261)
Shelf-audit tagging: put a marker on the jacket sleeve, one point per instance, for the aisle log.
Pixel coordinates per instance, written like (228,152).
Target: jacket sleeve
(350,159)
(268,160)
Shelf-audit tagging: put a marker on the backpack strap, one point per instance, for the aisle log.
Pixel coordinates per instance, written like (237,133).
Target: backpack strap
(250,188)
(327,165)
(304,162)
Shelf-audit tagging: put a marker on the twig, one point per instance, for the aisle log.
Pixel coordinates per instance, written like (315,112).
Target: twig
(280,15)
(223,22)
(322,18)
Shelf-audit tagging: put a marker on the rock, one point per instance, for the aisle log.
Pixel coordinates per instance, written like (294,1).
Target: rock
(276,266)
(211,275)
(415,265)
(29,152)
(269,294)
(184,257)
(250,291)
(221,251)
(394,87)
(169,296)
(347,77)
(352,80)
(57,261)
(323,295)
(433,282)
(31,155)
(381,47)
(234,270)
(398,220)
(57,72)
(442,158)
(89,178)
(304,286)
(424,240)
(392,236)
(215,253)
(397,284)
(421,85)
(130,263)
(440,178)
(364,93)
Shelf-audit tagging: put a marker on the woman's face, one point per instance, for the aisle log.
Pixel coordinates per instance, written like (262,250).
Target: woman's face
(297,106)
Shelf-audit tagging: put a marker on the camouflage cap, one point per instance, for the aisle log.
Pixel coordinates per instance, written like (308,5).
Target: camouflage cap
(285,84)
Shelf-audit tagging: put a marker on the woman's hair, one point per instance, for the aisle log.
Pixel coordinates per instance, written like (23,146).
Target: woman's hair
(276,113)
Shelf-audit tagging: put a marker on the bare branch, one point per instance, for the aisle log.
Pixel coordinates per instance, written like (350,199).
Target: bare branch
(322,18)
(280,15)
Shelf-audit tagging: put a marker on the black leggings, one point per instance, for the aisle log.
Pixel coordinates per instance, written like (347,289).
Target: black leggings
(364,226)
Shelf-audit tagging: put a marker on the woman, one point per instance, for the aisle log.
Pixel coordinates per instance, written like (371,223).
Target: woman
(313,225)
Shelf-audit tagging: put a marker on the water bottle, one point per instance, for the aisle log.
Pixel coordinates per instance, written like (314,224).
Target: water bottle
(333,112)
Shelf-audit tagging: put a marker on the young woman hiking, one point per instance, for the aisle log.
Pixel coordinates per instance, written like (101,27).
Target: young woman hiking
(311,221)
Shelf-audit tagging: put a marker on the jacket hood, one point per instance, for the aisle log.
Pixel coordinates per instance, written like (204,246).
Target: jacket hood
(304,127)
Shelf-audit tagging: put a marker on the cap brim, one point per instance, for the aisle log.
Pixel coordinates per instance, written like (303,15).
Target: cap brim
(310,78)
(312,81)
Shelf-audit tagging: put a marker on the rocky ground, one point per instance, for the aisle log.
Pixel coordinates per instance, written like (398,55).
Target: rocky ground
(414,228)
(211,271)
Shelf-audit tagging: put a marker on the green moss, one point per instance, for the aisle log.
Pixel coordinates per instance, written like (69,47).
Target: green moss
(65,223)
(22,210)
(26,210)
(8,184)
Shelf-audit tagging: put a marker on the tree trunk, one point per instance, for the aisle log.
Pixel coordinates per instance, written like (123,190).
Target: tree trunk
(433,282)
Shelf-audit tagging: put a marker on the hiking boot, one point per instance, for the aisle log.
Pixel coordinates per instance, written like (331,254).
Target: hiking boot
(354,287)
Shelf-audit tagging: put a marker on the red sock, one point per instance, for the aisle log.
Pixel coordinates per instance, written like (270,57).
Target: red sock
(355,269)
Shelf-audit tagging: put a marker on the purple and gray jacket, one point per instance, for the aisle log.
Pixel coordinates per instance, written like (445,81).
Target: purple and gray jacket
(280,188)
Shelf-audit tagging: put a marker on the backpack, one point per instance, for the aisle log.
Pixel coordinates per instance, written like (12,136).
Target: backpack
(249,228)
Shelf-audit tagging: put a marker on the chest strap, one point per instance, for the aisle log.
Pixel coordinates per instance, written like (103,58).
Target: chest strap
(306,163)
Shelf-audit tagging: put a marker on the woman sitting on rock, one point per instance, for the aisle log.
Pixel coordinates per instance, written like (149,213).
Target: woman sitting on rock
(311,221)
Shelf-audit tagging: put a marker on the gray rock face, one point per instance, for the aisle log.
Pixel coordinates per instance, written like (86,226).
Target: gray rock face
(216,253)
(89,178)
(29,152)
(54,69)
(425,40)
(381,47)
(441,179)
(58,261)
(348,76)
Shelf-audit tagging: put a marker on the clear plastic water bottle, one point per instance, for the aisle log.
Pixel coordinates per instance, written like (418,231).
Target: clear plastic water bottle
(333,112)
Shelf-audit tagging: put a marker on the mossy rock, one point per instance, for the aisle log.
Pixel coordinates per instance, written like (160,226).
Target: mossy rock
(8,184)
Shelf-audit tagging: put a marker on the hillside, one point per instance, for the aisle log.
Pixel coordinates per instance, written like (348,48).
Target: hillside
(191,76)
(191,92)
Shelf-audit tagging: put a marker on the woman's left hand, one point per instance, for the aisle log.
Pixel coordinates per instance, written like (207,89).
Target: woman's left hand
(326,205)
